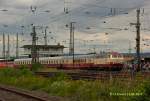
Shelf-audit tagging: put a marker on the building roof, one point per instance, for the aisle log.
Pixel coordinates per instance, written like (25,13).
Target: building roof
(44,46)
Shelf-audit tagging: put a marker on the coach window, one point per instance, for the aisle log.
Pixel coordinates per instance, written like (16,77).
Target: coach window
(83,60)
(55,61)
(66,61)
(90,60)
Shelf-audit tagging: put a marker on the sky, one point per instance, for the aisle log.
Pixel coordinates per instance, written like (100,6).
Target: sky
(93,20)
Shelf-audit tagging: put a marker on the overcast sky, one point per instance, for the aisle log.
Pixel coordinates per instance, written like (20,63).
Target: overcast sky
(93,19)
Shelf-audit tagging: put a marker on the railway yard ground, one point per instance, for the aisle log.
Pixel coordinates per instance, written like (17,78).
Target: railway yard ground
(16,94)
(76,85)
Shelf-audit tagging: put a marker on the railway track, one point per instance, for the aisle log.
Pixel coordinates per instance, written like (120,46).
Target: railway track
(93,75)
(8,91)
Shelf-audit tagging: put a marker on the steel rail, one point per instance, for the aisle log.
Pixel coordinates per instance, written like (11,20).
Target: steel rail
(21,93)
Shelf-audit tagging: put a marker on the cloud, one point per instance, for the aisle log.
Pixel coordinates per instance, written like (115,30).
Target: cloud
(89,16)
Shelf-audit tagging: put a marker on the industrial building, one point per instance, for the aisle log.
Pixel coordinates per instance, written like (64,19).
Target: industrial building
(45,50)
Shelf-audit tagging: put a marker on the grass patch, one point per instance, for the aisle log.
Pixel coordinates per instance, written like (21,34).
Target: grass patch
(79,90)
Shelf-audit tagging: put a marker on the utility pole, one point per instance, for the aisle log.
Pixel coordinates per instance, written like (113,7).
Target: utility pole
(17,47)
(138,24)
(8,48)
(45,36)
(4,46)
(71,47)
(34,54)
